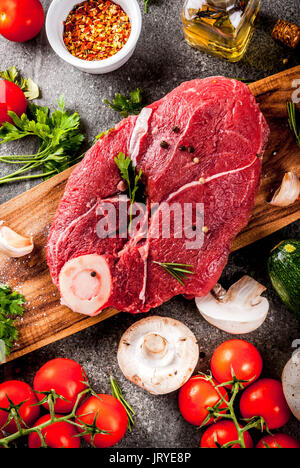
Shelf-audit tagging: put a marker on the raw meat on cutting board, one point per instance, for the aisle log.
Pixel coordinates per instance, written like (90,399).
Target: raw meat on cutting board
(214,136)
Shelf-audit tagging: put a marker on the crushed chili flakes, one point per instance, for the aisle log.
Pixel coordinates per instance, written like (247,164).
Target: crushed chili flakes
(96,30)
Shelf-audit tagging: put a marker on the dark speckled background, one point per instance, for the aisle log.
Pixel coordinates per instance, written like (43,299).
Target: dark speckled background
(162,61)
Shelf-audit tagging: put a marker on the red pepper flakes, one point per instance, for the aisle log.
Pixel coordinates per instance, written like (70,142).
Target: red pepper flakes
(96,30)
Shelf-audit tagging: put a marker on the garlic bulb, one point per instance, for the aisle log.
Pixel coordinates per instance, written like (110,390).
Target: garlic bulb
(12,244)
(288,192)
(239,310)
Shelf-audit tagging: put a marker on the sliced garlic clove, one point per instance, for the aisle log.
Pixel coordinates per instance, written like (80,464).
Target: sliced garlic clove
(288,192)
(12,244)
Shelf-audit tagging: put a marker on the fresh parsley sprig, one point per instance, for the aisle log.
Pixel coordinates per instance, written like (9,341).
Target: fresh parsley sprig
(29,87)
(59,138)
(127,105)
(293,121)
(129,175)
(11,307)
(179,271)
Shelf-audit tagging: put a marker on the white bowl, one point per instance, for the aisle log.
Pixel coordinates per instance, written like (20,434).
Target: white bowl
(57,14)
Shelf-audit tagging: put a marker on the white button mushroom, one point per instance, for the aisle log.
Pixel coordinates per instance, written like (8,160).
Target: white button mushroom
(239,310)
(158,354)
(291,384)
(12,244)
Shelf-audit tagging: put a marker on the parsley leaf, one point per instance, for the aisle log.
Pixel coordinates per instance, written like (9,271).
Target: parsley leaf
(29,87)
(59,138)
(132,179)
(11,307)
(127,105)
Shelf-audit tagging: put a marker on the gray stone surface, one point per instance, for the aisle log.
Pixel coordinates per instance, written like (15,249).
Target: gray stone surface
(162,61)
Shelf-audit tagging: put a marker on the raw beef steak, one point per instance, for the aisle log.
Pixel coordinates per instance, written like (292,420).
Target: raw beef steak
(201,145)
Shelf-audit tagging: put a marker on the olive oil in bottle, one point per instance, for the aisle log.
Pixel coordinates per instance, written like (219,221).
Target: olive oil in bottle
(220,27)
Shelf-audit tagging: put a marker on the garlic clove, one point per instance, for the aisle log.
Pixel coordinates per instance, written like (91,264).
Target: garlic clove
(288,192)
(14,245)
(241,310)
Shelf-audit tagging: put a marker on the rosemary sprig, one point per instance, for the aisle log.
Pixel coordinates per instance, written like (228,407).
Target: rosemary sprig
(293,123)
(177,270)
(118,394)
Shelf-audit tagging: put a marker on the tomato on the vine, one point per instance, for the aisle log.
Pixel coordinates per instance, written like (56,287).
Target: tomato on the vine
(66,377)
(57,435)
(12,99)
(278,441)
(196,395)
(108,414)
(224,432)
(18,392)
(265,398)
(238,356)
(21,20)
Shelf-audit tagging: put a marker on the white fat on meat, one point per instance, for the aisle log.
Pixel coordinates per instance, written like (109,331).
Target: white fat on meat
(85,284)
(140,130)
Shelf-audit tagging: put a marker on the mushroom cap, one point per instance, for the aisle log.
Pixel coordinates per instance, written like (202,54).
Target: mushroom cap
(158,354)
(291,384)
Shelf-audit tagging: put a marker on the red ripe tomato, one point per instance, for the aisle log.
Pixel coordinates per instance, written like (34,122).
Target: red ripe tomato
(18,392)
(57,435)
(110,416)
(241,357)
(265,398)
(13,99)
(278,441)
(21,20)
(64,376)
(197,395)
(223,432)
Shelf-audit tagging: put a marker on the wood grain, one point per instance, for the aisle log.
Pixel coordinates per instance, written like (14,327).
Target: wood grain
(45,320)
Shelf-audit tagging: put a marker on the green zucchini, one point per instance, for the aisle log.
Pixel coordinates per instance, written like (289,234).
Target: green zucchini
(284,271)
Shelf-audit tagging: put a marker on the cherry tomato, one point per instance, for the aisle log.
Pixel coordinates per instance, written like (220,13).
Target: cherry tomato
(110,416)
(57,435)
(278,441)
(13,99)
(21,20)
(197,395)
(18,392)
(64,376)
(241,357)
(265,398)
(224,432)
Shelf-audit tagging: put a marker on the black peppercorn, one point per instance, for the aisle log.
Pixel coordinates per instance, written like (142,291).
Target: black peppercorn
(93,274)
(164,144)
(182,148)
(176,129)
(191,149)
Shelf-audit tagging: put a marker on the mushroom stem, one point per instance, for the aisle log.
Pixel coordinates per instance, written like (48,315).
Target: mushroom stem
(155,345)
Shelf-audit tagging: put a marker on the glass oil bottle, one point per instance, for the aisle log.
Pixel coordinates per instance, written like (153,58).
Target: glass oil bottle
(220,27)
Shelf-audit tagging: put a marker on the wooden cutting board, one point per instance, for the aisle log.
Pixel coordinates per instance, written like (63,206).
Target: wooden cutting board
(45,320)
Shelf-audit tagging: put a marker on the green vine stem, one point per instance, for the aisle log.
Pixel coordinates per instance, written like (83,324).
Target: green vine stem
(228,413)
(50,399)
